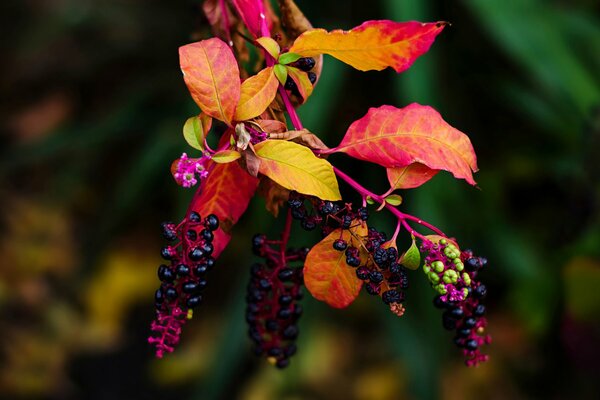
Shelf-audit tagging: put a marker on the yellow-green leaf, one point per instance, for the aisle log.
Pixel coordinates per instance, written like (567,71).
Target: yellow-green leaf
(195,130)
(394,199)
(295,167)
(287,58)
(411,259)
(281,73)
(270,45)
(225,156)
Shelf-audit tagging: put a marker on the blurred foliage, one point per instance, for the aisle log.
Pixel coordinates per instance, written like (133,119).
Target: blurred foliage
(92,109)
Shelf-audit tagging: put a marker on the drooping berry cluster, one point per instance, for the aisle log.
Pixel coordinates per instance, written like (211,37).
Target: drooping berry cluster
(460,295)
(305,64)
(378,266)
(273,292)
(183,280)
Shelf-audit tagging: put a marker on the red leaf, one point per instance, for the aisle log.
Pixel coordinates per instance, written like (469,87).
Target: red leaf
(250,11)
(374,45)
(397,137)
(226,193)
(411,176)
(212,76)
(326,274)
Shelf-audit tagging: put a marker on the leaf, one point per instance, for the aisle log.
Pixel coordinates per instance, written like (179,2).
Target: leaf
(195,130)
(276,196)
(397,137)
(410,176)
(374,45)
(271,125)
(327,276)
(250,12)
(270,45)
(303,137)
(226,193)
(295,167)
(212,76)
(394,199)
(302,82)
(281,73)
(293,19)
(287,58)
(257,93)
(411,259)
(226,156)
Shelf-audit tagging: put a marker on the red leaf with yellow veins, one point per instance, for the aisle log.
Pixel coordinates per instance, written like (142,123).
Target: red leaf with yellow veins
(397,137)
(257,93)
(411,176)
(327,276)
(374,45)
(212,76)
(225,193)
(295,167)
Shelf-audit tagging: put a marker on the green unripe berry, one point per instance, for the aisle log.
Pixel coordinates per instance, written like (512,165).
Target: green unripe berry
(438,266)
(426,269)
(433,277)
(465,293)
(447,279)
(440,288)
(459,265)
(443,241)
(466,279)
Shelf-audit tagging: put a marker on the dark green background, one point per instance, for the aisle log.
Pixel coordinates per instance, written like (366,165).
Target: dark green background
(92,109)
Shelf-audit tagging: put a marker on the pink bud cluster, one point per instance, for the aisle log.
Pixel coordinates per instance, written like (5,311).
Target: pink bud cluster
(188,171)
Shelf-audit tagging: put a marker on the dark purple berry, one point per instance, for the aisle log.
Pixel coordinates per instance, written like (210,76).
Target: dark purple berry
(372,288)
(362,273)
(196,254)
(182,270)
(291,332)
(194,217)
(158,296)
(193,301)
(285,274)
(376,276)
(312,77)
(480,291)
(171,293)
(479,310)
(391,296)
(212,222)
(190,287)
(340,245)
(471,345)
(165,274)
(305,63)
(207,235)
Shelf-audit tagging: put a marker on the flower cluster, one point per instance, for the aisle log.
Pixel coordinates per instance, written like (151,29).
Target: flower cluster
(453,274)
(188,171)
(272,311)
(183,280)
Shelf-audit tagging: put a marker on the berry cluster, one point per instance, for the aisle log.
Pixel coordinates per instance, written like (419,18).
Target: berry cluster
(378,266)
(460,295)
(188,171)
(272,311)
(329,215)
(183,280)
(305,64)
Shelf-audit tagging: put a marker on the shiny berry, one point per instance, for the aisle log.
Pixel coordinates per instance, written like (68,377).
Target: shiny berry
(312,77)
(362,273)
(291,332)
(207,235)
(470,322)
(471,345)
(212,222)
(182,270)
(376,276)
(171,293)
(340,245)
(165,274)
(207,248)
(305,63)
(479,310)
(190,287)
(480,291)
(196,254)
(285,274)
(193,301)
(159,296)
(194,217)
(391,296)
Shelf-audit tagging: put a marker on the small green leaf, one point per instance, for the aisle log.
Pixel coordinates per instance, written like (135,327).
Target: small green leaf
(412,258)
(226,156)
(287,58)
(394,199)
(370,200)
(193,132)
(281,73)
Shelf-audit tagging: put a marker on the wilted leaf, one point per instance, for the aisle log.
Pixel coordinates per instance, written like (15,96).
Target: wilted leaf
(303,136)
(226,193)
(295,167)
(195,130)
(326,274)
(275,195)
(226,156)
(257,93)
(293,20)
(374,45)
(212,76)
(271,125)
(411,259)
(397,137)
(411,176)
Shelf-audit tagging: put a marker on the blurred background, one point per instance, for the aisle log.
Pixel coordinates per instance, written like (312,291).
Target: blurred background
(92,107)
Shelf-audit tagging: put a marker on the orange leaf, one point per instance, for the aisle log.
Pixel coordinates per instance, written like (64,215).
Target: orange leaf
(326,274)
(212,76)
(257,93)
(374,45)
(397,137)
(295,167)
(302,82)
(411,176)
(225,193)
